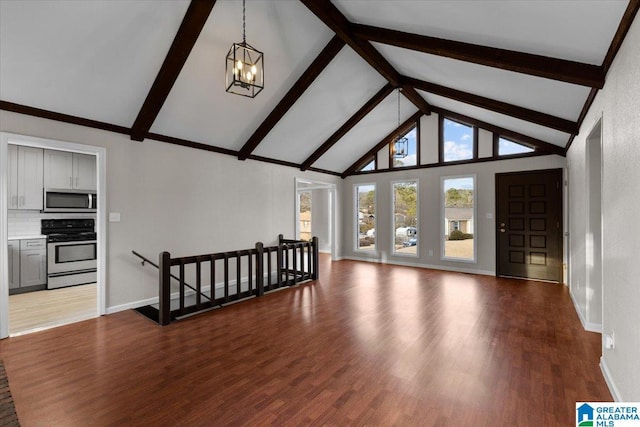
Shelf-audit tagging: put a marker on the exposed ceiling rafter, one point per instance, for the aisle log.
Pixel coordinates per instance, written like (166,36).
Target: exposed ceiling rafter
(338,23)
(522,113)
(402,129)
(300,86)
(348,125)
(186,37)
(516,136)
(527,63)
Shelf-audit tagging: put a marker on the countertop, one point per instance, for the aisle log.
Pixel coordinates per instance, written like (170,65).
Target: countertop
(33,236)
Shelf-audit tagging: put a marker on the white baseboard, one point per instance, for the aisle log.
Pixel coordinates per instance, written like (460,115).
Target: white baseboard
(607,378)
(420,265)
(588,326)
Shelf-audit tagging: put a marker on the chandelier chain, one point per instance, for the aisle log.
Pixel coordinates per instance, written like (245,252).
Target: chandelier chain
(398,107)
(244,23)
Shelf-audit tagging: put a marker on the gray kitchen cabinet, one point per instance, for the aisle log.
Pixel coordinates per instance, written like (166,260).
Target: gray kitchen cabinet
(33,262)
(70,171)
(25,177)
(14,264)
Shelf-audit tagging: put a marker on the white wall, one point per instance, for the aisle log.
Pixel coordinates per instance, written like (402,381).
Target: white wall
(178,199)
(618,105)
(430,224)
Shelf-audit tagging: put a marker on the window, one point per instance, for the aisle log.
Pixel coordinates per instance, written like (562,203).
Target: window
(459,218)
(411,158)
(458,141)
(507,147)
(366,217)
(405,217)
(369,166)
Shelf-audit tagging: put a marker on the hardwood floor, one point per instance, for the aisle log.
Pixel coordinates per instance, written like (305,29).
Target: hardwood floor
(366,344)
(39,310)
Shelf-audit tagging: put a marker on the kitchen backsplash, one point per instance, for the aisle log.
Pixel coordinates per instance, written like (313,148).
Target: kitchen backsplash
(27,223)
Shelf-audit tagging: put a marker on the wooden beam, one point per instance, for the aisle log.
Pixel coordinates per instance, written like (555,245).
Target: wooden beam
(527,63)
(403,128)
(339,24)
(516,136)
(348,125)
(65,118)
(625,23)
(296,91)
(185,39)
(522,113)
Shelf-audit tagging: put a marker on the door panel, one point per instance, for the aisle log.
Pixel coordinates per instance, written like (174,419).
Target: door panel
(529,225)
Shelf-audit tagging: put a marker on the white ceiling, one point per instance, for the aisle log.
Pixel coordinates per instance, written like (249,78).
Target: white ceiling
(98,59)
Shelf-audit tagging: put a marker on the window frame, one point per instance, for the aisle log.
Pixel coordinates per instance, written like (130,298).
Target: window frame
(416,126)
(374,160)
(356,205)
(443,219)
(441,141)
(393,219)
(496,147)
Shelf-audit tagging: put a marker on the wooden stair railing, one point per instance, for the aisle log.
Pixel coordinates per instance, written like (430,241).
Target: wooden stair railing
(296,261)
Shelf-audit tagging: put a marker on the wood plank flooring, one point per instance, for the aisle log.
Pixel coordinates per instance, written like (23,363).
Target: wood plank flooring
(45,309)
(367,344)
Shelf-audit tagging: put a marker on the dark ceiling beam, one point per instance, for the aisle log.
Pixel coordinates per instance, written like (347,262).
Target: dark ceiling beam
(527,63)
(185,39)
(625,23)
(532,116)
(516,136)
(400,130)
(348,125)
(308,77)
(65,118)
(337,22)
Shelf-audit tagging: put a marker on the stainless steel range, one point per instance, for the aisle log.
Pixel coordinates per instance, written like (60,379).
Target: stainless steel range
(71,251)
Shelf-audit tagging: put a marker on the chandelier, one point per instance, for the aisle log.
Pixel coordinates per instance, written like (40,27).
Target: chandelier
(244,70)
(400,143)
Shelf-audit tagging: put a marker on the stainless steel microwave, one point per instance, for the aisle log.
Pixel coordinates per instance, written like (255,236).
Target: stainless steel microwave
(61,200)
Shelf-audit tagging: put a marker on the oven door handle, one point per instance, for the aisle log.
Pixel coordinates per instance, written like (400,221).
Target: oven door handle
(90,201)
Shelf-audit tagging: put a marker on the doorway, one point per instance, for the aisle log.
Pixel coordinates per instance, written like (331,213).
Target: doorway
(98,289)
(529,225)
(315,213)
(593,246)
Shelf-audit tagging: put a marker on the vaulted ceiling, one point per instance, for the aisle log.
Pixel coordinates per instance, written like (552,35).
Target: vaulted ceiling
(155,70)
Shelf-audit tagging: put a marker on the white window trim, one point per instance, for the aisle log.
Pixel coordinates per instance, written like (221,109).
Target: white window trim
(443,219)
(393,219)
(356,234)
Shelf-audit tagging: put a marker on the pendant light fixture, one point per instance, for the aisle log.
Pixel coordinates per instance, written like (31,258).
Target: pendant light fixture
(400,143)
(244,70)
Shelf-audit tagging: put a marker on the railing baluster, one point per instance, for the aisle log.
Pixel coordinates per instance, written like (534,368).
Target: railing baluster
(316,259)
(164,309)
(279,264)
(212,280)
(238,275)
(226,278)
(259,269)
(286,263)
(181,287)
(309,261)
(250,273)
(198,283)
(269,269)
(295,263)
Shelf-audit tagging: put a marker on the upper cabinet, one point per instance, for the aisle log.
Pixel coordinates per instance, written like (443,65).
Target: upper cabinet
(65,170)
(25,177)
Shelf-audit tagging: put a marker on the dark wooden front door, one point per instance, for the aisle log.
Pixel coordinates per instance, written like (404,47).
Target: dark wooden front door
(529,224)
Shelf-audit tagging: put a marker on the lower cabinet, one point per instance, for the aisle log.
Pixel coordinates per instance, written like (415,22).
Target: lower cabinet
(14,264)
(27,265)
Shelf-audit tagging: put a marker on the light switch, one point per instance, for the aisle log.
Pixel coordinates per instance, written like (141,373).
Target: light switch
(489,215)
(114,216)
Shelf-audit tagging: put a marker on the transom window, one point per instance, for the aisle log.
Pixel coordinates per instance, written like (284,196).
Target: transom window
(369,166)
(410,158)
(458,141)
(507,147)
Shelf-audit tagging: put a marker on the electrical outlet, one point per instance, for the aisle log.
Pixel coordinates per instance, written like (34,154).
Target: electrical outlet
(610,341)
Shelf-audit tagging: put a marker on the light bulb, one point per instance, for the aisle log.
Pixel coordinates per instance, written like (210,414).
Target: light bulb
(249,76)
(254,70)
(239,65)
